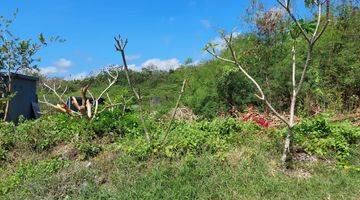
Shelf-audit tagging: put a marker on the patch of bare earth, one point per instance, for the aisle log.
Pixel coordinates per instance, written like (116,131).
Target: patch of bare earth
(65,152)
(298,173)
(184,114)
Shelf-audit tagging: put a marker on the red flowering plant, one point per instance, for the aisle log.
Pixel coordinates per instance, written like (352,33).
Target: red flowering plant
(254,116)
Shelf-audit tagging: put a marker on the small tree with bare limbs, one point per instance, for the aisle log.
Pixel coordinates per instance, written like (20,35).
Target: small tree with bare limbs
(310,36)
(120,46)
(89,106)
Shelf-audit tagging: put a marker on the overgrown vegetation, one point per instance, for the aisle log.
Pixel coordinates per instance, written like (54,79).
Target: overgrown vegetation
(128,151)
(57,152)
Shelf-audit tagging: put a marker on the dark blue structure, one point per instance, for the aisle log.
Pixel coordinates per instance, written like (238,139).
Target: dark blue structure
(25,102)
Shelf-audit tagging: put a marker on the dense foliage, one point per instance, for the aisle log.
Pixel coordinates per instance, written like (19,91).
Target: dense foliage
(214,155)
(330,140)
(61,153)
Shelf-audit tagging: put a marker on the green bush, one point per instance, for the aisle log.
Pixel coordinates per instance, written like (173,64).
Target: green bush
(115,122)
(7,139)
(88,149)
(327,139)
(47,132)
(195,138)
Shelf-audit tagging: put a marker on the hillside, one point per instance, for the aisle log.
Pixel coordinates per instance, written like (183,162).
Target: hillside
(218,138)
(57,157)
(215,87)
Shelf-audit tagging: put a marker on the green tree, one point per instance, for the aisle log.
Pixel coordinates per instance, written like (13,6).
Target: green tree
(309,36)
(16,56)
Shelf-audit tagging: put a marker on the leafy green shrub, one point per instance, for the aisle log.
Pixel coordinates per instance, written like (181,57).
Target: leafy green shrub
(327,139)
(115,122)
(106,122)
(7,139)
(137,147)
(186,138)
(88,149)
(49,131)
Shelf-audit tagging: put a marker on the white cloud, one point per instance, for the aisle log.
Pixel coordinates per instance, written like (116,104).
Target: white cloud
(48,70)
(220,43)
(79,76)
(205,23)
(163,65)
(133,67)
(63,63)
(133,57)
(60,66)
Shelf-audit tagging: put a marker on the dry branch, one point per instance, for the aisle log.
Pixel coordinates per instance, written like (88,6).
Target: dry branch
(87,109)
(120,46)
(174,113)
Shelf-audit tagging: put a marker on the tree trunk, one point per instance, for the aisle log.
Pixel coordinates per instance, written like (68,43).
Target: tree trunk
(6,111)
(9,90)
(287,146)
(286,152)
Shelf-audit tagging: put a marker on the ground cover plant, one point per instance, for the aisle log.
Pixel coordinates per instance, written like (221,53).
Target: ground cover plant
(206,136)
(221,155)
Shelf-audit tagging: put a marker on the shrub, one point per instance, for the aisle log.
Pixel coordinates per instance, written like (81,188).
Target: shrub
(327,139)
(88,149)
(186,138)
(116,122)
(7,139)
(49,131)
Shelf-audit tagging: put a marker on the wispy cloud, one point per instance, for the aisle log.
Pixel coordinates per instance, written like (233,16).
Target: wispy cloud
(166,40)
(60,66)
(63,63)
(195,63)
(163,65)
(205,23)
(220,43)
(79,76)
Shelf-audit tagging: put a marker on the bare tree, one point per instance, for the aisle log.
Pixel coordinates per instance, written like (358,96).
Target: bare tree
(120,46)
(88,107)
(310,38)
(174,112)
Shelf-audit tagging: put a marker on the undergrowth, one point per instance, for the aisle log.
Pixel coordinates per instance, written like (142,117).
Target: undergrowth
(220,158)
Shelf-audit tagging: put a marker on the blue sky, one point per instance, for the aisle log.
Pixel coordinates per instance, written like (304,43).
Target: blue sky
(164,32)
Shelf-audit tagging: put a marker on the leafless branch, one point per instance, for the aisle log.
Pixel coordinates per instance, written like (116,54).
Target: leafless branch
(311,41)
(316,35)
(54,90)
(85,108)
(235,61)
(174,112)
(120,45)
(288,10)
(114,80)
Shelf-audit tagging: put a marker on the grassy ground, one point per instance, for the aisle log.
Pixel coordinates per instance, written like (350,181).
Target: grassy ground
(247,170)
